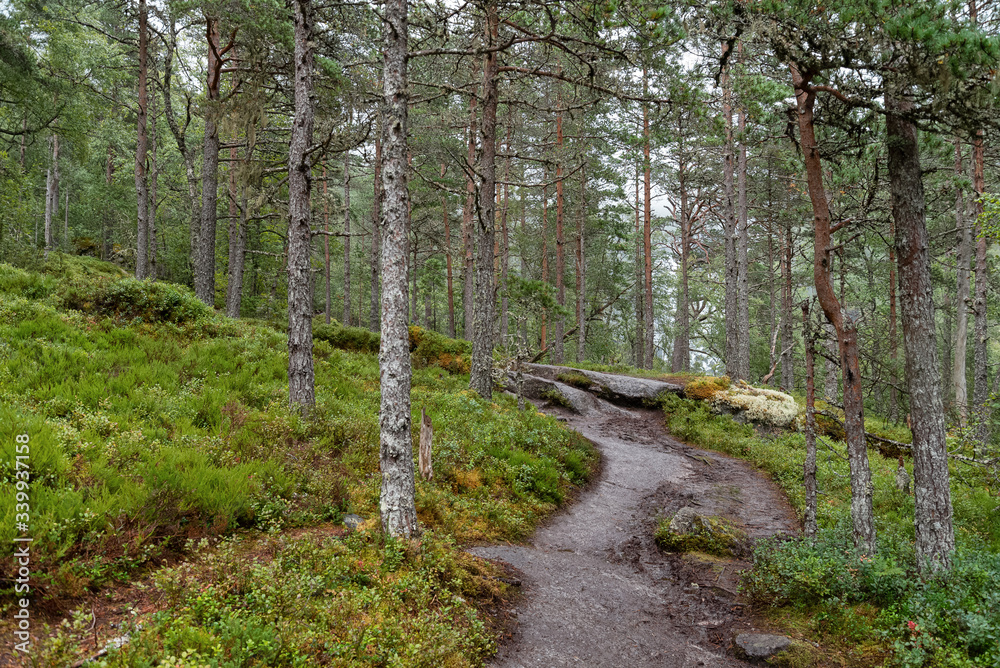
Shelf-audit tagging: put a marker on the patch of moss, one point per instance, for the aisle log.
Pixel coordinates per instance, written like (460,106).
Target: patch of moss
(711,535)
(556,397)
(706,387)
(797,655)
(575,379)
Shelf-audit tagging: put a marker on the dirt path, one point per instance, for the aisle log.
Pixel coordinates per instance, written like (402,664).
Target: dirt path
(598,593)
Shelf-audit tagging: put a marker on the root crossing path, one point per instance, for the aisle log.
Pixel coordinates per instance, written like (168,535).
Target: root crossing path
(598,592)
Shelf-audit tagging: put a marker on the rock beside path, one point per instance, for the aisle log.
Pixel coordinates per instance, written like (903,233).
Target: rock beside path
(612,387)
(759,646)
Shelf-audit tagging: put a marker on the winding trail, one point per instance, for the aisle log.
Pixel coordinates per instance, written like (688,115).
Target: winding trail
(598,593)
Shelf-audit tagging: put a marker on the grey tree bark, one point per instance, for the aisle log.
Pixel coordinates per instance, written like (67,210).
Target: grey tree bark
(396,503)
(933,511)
(447,255)
(301,379)
(681,358)
(505,246)
(326,246)
(204,286)
(963,258)
(485,304)
(141,185)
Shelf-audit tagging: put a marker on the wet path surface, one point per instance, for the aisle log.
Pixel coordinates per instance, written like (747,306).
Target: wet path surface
(598,593)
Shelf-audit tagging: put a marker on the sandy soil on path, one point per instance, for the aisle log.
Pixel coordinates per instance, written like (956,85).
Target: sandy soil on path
(598,592)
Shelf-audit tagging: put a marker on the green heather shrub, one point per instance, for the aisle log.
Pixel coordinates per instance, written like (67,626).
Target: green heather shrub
(128,299)
(355,339)
(430,348)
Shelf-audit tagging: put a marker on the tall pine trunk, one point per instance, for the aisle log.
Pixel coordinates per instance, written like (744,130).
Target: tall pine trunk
(481,379)
(862,515)
(141,185)
(301,380)
(153,178)
(730,227)
(787,368)
(742,265)
(980,380)
(327,313)
(447,257)
(205,266)
(640,312)
(933,512)
(809,465)
(505,246)
(51,193)
(396,502)
(680,360)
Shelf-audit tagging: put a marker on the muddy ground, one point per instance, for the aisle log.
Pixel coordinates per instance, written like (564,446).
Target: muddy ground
(597,590)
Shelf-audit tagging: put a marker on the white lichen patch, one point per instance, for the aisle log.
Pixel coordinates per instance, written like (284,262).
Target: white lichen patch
(758,405)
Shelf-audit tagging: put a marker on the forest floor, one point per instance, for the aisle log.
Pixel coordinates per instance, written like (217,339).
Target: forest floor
(598,591)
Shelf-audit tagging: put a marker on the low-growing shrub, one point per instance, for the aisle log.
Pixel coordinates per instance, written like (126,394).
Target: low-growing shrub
(356,339)
(128,299)
(432,349)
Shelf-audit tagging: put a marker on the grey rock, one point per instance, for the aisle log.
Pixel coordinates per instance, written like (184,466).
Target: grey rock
(760,645)
(685,519)
(352,521)
(613,387)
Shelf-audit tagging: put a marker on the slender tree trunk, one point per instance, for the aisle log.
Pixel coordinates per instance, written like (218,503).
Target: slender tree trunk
(581,272)
(787,359)
(933,512)
(505,247)
(485,304)
(861,482)
(24,139)
(396,504)
(809,466)
(524,268)
(730,229)
(327,314)
(205,266)
(559,323)
(374,315)
(963,257)
(52,194)
(347,238)
(301,381)
(640,286)
(545,254)
(468,275)
(647,233)
(742,265)
(893,337)
(414,317)
(682,325)
(447,257)
(141,185)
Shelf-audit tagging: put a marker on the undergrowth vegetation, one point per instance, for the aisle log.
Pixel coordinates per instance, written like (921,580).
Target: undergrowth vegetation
(874,607)
(154,422)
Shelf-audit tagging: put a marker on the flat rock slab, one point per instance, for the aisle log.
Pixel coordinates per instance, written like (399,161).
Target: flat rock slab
(761,645)
(615,388)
